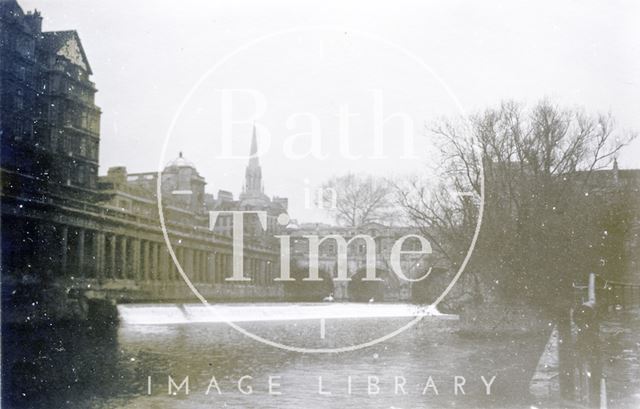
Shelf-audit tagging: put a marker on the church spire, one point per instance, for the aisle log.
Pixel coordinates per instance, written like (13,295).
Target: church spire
(253,172)
(253,153)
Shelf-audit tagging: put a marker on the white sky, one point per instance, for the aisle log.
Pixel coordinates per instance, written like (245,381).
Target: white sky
(146,55)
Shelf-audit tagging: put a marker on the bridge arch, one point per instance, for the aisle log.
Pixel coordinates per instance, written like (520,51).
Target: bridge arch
(389,288)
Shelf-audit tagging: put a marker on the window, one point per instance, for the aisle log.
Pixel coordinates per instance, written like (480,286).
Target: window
(93,123)
(25,46)
(19,99)
(53,112)
(84,120)
(61,142)
(19,130)
(94,150)
(92,176)
(22,72)
(77,175)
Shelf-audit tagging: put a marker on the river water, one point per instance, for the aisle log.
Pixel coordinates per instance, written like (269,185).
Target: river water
(129,367)
(132,366)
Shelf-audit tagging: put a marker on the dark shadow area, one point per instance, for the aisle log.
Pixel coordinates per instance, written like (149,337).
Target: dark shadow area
(311,291)
(368,291)
(60,365)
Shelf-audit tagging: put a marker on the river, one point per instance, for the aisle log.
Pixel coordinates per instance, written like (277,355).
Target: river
(131,366)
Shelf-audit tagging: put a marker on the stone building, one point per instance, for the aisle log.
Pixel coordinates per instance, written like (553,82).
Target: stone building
(205,256)
(391,288)
(70,238)
(252,198)
(47,103)
(618,190)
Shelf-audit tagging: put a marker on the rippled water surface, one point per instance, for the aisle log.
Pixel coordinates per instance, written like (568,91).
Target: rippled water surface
(113,370)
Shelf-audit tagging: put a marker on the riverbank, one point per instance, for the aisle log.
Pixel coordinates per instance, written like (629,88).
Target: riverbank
(495,319)
(620,336)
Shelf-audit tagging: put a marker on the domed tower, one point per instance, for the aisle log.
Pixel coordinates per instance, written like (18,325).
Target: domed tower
(182,185)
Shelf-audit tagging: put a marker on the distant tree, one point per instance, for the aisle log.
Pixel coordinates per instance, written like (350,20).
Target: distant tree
(356,199)
(539,230)
(310,291)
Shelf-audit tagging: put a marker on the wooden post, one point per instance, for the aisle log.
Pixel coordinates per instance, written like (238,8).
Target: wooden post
(566,359)
(603,394)
(588,345)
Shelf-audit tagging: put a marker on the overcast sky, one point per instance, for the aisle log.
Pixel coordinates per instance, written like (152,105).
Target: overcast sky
(427,59)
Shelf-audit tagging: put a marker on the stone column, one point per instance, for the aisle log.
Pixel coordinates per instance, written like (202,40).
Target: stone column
(80,249)
(191,257)
(123,255)
(262,272)
(135,265)
(187,261)
(95,251)
(209,270)
(101,255)
(112,257)
(154,261)
(164,267)
(198,256)
(64,243)
(171,266)
(176,273)
(180,261)
(180,258)
(203,267)
(194,271)
(216,267)
(267,274)
(145,259)
(223,267)
(95,244)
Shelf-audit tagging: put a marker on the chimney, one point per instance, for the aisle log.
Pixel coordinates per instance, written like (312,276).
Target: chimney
(117,174)
(34,21)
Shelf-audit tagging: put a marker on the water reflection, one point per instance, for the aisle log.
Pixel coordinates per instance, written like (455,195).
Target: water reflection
(74,368)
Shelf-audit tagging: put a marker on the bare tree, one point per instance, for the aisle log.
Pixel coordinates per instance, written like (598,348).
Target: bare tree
(356,199)
(537,165)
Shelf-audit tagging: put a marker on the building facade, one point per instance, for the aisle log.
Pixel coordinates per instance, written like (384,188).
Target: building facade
(47,105)
(69,237)
(391,286)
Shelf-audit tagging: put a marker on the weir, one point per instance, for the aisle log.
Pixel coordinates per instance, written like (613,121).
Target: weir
(164,314)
